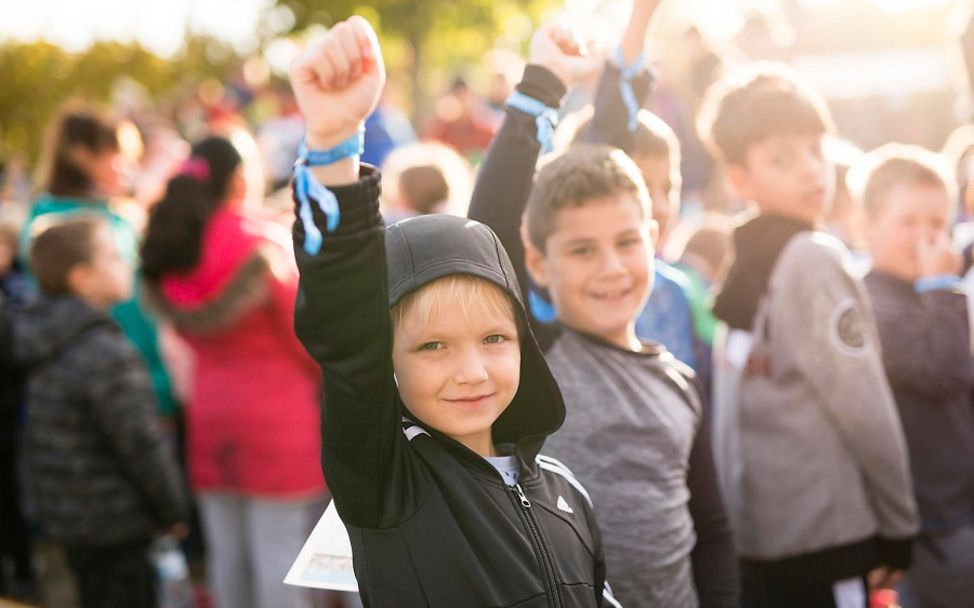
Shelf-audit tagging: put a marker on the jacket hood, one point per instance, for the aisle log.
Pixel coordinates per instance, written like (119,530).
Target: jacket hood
(420,250)
(226,244)
(45,328)
(229,281)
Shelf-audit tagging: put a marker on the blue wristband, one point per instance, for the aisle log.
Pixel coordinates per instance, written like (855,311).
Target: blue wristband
(353,146)
(545,117)
(939,281)
(307,187)
(625,86)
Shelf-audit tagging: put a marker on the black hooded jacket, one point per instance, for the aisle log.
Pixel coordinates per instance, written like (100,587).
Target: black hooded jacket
(100,468)
(431,522)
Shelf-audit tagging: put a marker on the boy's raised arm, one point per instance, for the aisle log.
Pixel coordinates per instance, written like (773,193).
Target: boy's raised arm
(342,313)
(624,84)
(504,182)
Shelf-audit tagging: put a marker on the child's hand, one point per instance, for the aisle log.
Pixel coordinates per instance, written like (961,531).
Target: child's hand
(563,52)
(337,82)
(935,256)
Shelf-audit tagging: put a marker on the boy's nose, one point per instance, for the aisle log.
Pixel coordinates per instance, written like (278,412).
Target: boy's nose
(470,368)
(612,263)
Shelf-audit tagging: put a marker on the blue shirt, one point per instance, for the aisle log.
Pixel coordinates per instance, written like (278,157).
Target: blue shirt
(666,317)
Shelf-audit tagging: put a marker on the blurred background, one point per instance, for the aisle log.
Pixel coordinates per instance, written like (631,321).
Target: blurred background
(881,63)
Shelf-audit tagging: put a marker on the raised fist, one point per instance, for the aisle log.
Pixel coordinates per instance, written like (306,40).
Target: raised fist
(337,82)
(564,53)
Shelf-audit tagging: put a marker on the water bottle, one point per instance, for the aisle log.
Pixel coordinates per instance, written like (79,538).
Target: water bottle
(173,587)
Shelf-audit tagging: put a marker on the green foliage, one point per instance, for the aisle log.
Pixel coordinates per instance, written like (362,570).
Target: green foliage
(439,36)
(39,77)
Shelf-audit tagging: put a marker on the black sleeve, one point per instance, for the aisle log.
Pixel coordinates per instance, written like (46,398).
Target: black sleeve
(610,120)
(342,319)
(507,173)
(123,409)
(714,561)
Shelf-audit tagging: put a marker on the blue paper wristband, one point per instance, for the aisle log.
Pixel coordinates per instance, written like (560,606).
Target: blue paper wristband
(353,146)
(546,117)
(307,188)
(940,281)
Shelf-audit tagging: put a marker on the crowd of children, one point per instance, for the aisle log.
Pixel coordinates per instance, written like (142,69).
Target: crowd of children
(565,393)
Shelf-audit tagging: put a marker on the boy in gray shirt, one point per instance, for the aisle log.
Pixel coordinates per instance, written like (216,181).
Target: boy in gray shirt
(634,432)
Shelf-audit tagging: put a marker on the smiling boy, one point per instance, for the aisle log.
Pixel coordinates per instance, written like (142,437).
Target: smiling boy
(634,432)
(437,399)
(808,443)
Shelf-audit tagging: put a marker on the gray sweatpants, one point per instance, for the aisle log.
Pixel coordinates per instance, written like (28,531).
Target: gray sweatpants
(250,546)
(941,577)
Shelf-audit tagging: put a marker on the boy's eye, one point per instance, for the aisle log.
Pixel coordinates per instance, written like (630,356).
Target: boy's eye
(431,346)
(629,242)
(495,339)
(580,251)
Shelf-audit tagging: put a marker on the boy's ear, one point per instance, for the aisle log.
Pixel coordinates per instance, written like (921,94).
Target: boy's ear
(79,279)
(534,260)
(739,179)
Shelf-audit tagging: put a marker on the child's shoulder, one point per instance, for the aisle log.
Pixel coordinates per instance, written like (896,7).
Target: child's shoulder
(814,253)
(682,378)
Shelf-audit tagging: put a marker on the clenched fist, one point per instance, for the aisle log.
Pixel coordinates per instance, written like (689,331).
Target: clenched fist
(563,52)
(337,82)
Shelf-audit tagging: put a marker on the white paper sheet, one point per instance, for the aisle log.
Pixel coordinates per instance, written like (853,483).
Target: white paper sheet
(325,561)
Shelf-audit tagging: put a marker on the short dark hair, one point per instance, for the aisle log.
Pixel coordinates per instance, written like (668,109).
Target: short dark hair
(748,107)
(652,137)
(576,177)
(61,244)
(76,126)
(891,165)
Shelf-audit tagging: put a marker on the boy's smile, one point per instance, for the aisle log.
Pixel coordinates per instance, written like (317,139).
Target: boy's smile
(786,175)
(459,369)
(598,267)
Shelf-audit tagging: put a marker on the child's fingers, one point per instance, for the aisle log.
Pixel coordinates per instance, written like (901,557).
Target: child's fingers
(583,66)
(345,38)
(312,67)
(368,44)
(339,61)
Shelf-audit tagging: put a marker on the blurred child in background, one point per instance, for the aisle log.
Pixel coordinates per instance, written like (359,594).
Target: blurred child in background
(923,325)
(103,478)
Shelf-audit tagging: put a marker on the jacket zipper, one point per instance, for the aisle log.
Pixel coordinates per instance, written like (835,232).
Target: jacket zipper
(554,592)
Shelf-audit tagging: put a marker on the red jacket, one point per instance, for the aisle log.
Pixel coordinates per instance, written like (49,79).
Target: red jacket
(253,418)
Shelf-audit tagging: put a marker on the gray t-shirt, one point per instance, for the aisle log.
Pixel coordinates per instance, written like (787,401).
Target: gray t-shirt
(505,462)
(627,436)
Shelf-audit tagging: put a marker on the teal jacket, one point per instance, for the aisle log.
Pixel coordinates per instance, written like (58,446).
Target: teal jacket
(139,327)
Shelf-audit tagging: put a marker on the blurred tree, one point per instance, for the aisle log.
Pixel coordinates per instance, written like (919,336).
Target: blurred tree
(39,77)
(436,35)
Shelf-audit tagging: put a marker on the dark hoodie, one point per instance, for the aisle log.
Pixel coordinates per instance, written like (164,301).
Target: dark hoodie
(99,466)
(431,522)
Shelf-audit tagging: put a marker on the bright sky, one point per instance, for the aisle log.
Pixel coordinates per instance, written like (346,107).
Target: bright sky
(158,24)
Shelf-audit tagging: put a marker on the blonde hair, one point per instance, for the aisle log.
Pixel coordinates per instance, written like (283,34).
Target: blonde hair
(473,294)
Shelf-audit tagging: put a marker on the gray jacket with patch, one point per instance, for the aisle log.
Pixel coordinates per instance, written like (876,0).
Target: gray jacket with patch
(809,448)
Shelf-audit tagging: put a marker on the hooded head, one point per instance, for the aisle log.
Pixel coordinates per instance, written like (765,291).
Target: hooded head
(465,359)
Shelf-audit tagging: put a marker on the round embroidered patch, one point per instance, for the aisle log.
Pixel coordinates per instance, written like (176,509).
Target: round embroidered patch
(847,328)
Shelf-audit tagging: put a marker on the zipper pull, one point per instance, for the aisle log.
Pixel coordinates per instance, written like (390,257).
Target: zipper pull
(520,495)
